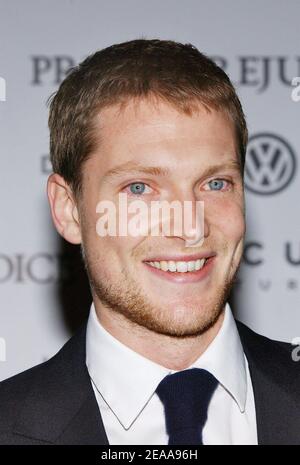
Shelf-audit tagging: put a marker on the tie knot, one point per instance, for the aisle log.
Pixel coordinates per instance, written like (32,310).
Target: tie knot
(186,396)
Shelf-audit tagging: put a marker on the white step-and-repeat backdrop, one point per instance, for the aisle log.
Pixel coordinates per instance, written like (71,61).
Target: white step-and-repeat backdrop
(43,292)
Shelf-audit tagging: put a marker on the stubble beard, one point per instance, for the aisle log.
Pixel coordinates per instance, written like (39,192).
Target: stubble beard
(126,298)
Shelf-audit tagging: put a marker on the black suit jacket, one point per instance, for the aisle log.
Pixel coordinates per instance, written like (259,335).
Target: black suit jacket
(54,402)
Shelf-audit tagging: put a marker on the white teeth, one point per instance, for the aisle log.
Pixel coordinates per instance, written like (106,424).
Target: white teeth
(172,266)
(164,266)
(179,267)
(182,267)
(199,264)
(191,266)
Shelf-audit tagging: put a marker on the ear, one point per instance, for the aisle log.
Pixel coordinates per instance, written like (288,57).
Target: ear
(63,209)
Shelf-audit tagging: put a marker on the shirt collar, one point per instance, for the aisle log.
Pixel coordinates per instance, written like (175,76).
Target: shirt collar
(225,359)
(126,380)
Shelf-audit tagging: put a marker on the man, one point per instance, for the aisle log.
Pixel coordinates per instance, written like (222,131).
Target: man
(161,359)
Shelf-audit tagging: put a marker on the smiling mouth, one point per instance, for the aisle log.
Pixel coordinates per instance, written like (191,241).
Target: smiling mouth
(181,266)
(182,271)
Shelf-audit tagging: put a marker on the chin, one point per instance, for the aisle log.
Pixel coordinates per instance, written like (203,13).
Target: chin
(185,320)
(184,329)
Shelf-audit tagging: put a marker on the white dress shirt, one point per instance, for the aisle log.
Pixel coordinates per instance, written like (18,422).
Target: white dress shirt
(124,383)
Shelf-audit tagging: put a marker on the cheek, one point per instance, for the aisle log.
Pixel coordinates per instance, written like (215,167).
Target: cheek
(110,254)
(228,218)
(109,251)
(118,248)
(233,225)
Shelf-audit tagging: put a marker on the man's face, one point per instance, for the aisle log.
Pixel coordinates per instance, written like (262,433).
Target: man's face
(199,153)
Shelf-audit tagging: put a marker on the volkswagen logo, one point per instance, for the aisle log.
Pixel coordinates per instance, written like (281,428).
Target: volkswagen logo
(270,164)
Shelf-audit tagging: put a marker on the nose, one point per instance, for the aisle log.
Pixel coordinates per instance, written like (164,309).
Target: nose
(187,219)
(195,223)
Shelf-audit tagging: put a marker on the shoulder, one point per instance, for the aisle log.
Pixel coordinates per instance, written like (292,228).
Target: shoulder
(251,337)
(40,388)
(14,390)
(269,354)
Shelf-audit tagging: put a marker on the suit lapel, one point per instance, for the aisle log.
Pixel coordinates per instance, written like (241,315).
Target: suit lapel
(275,380)
(86,427)
(61,407)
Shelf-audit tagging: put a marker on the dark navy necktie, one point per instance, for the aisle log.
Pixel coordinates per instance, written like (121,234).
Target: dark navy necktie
(186,396)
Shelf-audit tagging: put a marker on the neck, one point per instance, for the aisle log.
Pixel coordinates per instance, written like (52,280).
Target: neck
(171,352)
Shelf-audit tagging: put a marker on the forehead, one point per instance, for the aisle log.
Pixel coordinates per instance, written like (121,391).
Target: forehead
(156,131)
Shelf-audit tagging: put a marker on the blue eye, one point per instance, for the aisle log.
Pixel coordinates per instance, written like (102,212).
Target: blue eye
(216,184)
(137,187)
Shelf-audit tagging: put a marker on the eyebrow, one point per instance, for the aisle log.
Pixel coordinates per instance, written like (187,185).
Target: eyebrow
(131,168)
(135,168)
